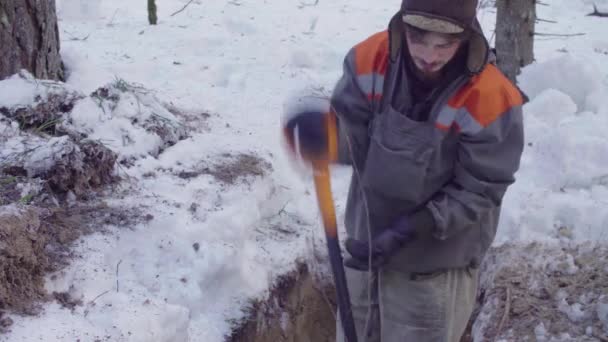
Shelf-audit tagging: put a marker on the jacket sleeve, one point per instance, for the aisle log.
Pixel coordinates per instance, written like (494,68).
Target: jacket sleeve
(353,111)
(485,166)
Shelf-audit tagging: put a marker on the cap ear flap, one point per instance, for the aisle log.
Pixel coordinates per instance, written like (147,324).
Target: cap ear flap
(479,49)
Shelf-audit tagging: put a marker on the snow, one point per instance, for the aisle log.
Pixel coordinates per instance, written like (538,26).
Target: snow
(562,180)
(541,332)
(602,312)
(240,61)
(16,91)
(574,312)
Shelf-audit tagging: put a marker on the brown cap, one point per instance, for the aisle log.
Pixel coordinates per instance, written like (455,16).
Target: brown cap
(442,16)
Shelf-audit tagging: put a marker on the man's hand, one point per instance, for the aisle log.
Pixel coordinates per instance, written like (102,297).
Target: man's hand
(381,248)
(310,129)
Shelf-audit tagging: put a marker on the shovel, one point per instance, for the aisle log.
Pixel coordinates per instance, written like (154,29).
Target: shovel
(328,213)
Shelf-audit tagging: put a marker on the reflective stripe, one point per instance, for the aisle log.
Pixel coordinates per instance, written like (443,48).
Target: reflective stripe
(446,117)
(371,84)
(465,122)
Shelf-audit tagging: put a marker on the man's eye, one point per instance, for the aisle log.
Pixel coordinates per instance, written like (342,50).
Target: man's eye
(417,41)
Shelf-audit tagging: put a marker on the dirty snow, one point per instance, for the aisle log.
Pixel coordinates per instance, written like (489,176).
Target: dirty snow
(210,246)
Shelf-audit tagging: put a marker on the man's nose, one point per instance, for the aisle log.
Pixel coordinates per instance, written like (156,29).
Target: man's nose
(428,55)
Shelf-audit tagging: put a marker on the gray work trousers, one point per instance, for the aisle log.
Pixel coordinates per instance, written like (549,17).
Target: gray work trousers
(409,307)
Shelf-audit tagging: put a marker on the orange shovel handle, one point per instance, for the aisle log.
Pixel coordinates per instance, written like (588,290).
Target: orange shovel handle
(328,213)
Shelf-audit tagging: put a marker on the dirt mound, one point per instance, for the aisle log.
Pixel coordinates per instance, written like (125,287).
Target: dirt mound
(38,148)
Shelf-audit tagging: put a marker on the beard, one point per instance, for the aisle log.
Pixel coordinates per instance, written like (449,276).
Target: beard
(429,74)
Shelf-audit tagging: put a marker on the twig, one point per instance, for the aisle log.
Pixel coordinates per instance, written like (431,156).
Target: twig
(558,35)
(283,209)
(505,315)
(183,8)
(74,38)
(92,302)
(94,299)
(117,266)
(546,21)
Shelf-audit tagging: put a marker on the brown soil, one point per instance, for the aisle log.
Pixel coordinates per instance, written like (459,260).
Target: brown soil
(86,168)
(33,242)
(297,310)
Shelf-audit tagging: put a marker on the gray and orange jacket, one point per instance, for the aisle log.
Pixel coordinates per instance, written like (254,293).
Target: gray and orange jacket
(449,172)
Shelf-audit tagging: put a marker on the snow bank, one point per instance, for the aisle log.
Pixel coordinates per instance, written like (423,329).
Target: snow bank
(576,77)
(563,179)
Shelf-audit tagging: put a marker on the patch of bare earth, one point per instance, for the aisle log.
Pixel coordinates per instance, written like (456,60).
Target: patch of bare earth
(229,168)
(33,242)
(297,309)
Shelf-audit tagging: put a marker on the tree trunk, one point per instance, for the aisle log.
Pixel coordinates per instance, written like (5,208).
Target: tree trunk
(152,19)
(29,39)
(515,21)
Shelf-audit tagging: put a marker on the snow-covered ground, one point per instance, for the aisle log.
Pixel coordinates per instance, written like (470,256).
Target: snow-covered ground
(209,246)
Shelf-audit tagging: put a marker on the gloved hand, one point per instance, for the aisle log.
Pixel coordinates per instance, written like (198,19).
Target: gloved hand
(402,232)
(310,129)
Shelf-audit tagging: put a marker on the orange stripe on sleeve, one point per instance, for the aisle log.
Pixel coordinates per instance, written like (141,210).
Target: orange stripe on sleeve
(371,55)
(487,96)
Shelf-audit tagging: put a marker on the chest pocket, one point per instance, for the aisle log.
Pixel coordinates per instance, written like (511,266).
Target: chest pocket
(399,155)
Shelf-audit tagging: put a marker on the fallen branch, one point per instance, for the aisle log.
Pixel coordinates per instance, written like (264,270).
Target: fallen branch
(597,13)
(183,8)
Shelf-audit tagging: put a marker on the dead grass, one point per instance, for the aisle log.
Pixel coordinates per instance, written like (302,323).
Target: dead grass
(230,168)
(524,286)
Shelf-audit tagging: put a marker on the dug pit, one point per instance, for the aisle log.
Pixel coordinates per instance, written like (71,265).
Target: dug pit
(545,284)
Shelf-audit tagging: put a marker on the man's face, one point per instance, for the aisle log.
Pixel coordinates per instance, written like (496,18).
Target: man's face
(431,51)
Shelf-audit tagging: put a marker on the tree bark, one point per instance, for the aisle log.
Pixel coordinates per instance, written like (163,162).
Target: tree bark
(29,39)
(152,18)
(515,20)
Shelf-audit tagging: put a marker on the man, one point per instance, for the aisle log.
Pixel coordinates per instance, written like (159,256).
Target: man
(434,133)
